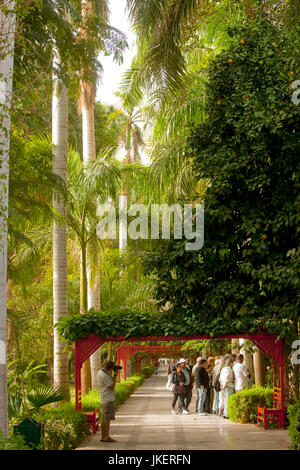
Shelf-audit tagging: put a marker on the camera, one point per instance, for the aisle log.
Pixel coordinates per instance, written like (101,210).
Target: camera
(117,368)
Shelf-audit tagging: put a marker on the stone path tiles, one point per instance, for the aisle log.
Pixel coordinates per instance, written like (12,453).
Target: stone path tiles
(145,421)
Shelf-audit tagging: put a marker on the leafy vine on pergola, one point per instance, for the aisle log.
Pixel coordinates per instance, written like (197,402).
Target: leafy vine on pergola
(93,329)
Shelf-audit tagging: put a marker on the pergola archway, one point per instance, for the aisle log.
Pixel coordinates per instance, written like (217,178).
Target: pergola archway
(126,352)
(268,343)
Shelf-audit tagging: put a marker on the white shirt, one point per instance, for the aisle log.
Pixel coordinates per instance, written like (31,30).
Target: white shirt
(195,368)
(104,380)
(227,377)
(241,376)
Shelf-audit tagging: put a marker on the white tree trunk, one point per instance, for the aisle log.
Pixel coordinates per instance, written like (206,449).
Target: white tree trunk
(7,35)
(94,301)
(60,162)
(88,127)
(89,153)
(123,222)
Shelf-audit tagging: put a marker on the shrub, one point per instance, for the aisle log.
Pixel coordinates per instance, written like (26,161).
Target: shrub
(135,381)
(64,427)
(122,392)
(293,412)
(147,371)
(13,442)
(91,401)
(138,377)
(242,406)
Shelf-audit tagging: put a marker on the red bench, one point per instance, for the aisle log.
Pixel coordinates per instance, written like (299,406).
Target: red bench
(275,414)
(92,419)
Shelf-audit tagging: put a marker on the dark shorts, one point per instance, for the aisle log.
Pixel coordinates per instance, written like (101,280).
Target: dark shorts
(108,411)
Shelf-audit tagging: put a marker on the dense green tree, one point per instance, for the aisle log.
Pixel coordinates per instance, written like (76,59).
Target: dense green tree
(246,276)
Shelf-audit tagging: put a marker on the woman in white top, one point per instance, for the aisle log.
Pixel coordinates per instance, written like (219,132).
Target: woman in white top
(216,375)
(241,374)
(227,382)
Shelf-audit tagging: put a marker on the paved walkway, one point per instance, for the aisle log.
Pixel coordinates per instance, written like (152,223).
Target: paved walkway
(145,421)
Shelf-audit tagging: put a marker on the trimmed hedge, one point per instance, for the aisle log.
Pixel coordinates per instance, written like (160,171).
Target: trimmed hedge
(64,427)
(242,406)
(293,413)
(147,371)
(134,381)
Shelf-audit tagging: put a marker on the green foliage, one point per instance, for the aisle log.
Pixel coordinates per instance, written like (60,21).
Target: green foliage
(13,442)
(122,392)
(127,323)
(107,127)
(123,282)
(147,371)
(242,406)
(293,413)
(219,347)
(91,401)
(246,276)
(64,427)
(26,395)
(134,381)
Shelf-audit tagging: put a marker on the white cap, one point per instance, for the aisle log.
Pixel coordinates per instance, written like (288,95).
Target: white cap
(181,360)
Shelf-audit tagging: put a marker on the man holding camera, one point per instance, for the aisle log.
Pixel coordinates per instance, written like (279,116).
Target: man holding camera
(106,380)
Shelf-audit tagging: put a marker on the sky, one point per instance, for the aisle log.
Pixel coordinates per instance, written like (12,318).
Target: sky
(112,72)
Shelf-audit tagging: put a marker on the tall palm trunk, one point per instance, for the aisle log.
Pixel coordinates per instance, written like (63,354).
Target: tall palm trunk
(88,94)
(86,370)
(94,301)
(89,153)
(7,35)
(60,299)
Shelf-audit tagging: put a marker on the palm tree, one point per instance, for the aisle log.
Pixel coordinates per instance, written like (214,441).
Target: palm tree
(89,183)
(7,31)
(60,263)
(132,139)
(87,104)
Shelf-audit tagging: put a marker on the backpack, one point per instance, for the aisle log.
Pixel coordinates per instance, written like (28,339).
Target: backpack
(217,384)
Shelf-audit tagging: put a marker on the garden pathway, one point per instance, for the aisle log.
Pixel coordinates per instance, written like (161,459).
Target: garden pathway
(145,421)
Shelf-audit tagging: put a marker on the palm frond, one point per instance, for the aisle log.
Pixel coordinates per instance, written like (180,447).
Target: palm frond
(43,395)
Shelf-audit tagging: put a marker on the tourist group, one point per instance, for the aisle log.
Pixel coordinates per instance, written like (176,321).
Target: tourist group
(214,380)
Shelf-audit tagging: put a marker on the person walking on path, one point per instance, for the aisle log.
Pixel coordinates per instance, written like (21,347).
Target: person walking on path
(202,384)
(196,366)
(178,380)
(184,405)
(171,367)
(156,366)
(241,374)
(208,404)
(227,382)
(106,385)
